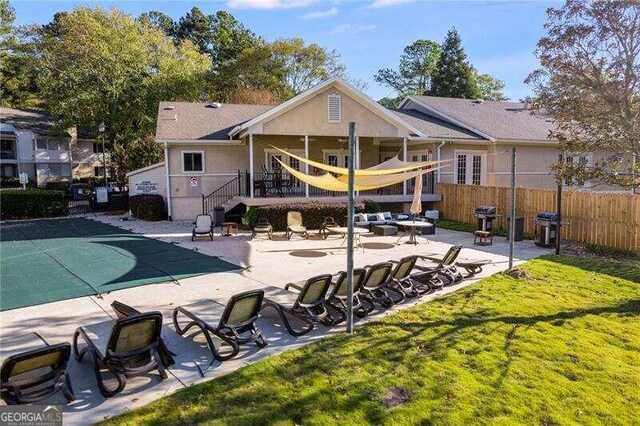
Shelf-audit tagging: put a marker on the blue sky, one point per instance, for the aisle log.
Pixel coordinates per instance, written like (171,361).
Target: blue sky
(499,36)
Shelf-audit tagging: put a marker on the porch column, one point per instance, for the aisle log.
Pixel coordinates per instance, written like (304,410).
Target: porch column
(404,157)
(357,158)
(306,166)
(251,164)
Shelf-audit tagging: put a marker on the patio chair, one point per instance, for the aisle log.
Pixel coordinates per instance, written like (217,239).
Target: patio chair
(33,370)
(126,347)
(307,306)
(375,286)
(400,279)
(234,324)
(262,227)
(473,267)
(338,297)
(329,222)
(436,277)
(295,226)
(204,227)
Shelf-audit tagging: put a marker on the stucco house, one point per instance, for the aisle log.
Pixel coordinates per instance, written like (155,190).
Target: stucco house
(222,154)
(32,143)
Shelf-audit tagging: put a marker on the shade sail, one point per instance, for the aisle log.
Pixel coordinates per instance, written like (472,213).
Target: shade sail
(362,183)
(389,167)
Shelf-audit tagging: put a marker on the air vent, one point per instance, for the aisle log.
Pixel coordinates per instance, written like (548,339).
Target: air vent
(334,103)
(169,108)
(477,101)
(215,105)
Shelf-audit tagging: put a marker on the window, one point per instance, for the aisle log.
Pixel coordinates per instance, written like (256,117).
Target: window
(193,161)
(580,161)
(334,103)
(97,147)
(41,144)
(470,167)
(99,172)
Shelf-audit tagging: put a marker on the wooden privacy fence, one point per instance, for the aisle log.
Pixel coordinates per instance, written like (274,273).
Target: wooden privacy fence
(601,218)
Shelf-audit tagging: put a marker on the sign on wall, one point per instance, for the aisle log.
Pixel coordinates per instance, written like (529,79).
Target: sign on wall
(146,187)
(194,180)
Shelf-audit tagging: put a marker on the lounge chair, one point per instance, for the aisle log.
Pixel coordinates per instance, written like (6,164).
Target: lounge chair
(125,347)
(338,297)
(400,278)
(33,370)
(234,323)
(204,227)
(329,222)
(473,267)
(262,227)
(443,273)
(294,225)
(308,305)
(375,286)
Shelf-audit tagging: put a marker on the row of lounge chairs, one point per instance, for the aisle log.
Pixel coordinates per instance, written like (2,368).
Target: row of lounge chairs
(132,345)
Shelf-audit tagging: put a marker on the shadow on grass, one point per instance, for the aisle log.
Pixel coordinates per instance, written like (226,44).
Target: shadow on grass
(628,269)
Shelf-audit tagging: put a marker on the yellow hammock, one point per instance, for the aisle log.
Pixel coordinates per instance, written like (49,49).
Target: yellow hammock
(379,170)
(362,183)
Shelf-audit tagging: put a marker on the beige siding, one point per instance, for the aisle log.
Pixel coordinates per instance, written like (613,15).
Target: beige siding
(85,160)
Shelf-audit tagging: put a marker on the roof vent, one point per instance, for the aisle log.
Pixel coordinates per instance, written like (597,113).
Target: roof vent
(214,105)
(477,101)
(169,108)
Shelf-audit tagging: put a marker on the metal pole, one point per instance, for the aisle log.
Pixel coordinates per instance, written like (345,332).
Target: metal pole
(306,166)
(559,204)
(350,206)
(104,162)
(512,222)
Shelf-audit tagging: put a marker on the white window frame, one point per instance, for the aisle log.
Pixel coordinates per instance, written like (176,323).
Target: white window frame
(268,152)
(589,160)
(192,151)
(337,152)
(339,97)
(469,172)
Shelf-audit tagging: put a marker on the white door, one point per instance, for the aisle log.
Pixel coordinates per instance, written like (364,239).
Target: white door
(470,167)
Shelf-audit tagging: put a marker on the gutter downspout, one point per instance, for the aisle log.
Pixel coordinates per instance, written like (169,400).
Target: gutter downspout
(166,170)
(438,155)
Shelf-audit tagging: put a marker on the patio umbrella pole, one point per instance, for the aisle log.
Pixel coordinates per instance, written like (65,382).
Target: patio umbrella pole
(350,207)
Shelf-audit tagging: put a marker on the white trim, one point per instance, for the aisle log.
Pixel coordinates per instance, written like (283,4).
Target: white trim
(271,151)
(339,83)
(140,170)
(193,151)
(306,165)
(251,173)
(204,174)
(469,171)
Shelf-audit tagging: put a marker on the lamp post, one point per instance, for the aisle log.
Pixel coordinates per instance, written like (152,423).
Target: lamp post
(101,129)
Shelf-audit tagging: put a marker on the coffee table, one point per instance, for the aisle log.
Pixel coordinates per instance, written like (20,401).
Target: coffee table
(230,226)
(410,227)
(344,231)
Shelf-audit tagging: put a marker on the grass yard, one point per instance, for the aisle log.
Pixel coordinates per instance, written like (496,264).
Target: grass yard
(561,348)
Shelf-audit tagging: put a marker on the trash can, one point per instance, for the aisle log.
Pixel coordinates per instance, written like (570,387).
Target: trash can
(218,216)
(519,231)
(118,201)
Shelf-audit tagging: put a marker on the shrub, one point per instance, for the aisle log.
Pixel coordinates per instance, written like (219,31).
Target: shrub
(372,206)
(58,186)
(313,214)
(32,203)
(13,182)
(148,207)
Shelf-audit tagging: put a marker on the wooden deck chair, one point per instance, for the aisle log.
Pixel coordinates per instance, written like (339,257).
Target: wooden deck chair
(338,297)
(204,227)
(443,273)
(262,227)
(33,370)
(375,288)
(234,324)
(124,348)
(294,225)
(308,306)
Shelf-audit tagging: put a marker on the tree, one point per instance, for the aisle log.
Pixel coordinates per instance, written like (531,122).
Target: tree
(101,66)
(415,71)
(197,28)
(453,76)
(589,83)
(161,21)
(489,87)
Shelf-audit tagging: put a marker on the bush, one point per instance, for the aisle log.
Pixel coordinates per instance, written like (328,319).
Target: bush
(57,186)
(372,206)
(148,207)
(13,182)
(32,203)
(313,214)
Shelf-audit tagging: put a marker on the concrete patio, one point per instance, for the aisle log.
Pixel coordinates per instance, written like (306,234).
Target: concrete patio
(264,263)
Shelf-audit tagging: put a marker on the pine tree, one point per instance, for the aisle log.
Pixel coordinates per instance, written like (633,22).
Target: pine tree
(454,76)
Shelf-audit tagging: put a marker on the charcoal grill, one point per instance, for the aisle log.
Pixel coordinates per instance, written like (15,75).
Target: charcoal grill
(485,216)
(546,230)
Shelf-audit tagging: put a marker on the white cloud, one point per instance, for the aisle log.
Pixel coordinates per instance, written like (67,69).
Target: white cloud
(377,4)
(269,4)
(319,14)
(352,28)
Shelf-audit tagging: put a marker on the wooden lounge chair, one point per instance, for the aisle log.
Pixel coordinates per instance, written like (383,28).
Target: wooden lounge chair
(338,297)
(295,226)
(262,227)
(234,323)
(308,305)
(125,347)
(375,287)
(204,227)
(329,222)
(33,370)
(443,273)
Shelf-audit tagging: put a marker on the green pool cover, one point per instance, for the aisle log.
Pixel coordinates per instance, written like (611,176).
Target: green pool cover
(48,260)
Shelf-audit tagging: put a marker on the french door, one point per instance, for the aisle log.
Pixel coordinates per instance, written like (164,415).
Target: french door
(470,167)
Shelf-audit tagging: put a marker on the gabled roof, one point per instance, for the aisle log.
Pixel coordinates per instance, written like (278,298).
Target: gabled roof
(179,121)
(37,121)
(434,128)
(493,119)
(339,83)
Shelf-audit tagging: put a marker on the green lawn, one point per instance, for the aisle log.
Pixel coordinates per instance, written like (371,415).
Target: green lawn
(561,348)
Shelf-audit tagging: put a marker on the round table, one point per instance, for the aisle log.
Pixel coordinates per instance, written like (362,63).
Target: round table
(412,225)
(344,231)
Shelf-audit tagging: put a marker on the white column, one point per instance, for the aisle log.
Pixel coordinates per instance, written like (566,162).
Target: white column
(168,181)
(251,164)
(306,166)
(405,156)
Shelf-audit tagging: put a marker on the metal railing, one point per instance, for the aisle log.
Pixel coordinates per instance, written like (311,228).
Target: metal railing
(238,186)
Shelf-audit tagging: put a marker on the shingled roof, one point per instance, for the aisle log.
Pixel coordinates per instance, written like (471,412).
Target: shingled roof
(38,121)
(500,120)
(433,127)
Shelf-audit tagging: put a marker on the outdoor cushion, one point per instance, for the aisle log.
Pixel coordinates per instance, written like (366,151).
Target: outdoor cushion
(387,216)
(380,217)
(359,217)
(372,217)
(297,228)
(203,224)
